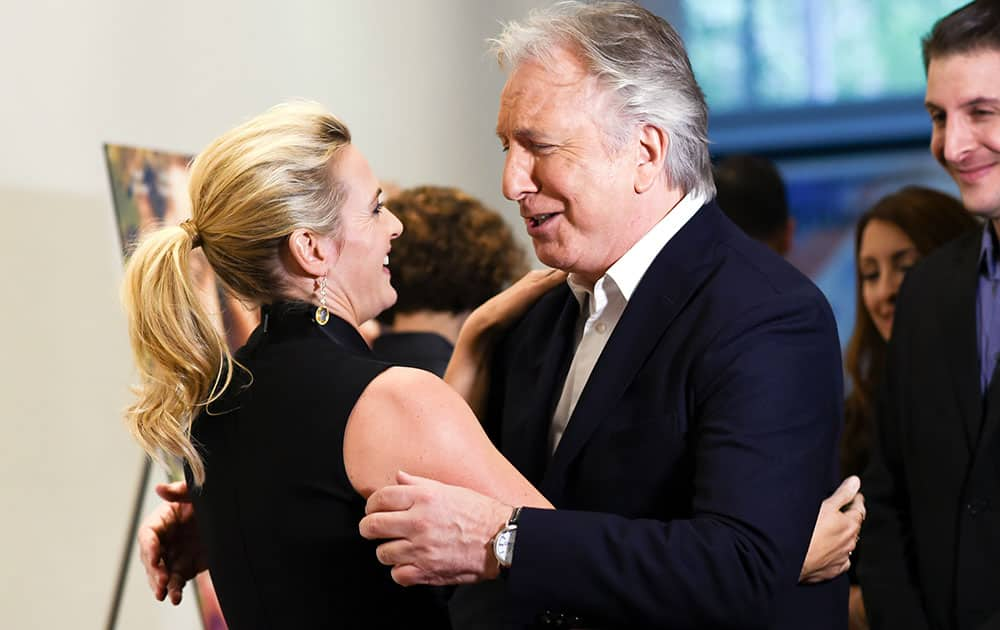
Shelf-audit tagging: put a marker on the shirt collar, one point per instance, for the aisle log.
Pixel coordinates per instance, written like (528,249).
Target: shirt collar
(628,270)
(988,264)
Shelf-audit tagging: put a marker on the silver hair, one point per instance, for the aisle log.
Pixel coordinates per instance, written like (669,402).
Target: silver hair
(640,59)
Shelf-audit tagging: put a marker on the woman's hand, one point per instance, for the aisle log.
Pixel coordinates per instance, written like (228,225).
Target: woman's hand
(837,530)
(468,370)
(169,545)
(501,310)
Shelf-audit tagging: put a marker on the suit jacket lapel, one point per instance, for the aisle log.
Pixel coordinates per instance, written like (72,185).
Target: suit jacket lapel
(537,385)
(963,347)
(679,269)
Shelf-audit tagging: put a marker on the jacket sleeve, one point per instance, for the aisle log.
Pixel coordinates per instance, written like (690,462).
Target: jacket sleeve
(887,572)
(763,425)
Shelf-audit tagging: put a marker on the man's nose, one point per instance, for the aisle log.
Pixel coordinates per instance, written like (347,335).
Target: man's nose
(517,180)
(958,139)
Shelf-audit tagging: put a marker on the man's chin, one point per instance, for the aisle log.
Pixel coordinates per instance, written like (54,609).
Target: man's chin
(988,209)
(551,259)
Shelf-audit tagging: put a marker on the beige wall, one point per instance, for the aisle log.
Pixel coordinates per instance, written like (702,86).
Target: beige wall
(410,78)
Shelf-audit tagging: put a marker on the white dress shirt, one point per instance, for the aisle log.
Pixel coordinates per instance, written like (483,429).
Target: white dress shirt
(602,306)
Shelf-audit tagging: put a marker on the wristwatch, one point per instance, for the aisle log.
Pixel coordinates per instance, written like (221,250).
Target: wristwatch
(503,542)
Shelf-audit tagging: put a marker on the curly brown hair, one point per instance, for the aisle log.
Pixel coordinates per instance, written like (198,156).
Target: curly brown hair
(453,255)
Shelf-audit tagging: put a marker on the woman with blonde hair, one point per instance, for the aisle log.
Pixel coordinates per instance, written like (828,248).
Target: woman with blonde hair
(283,441)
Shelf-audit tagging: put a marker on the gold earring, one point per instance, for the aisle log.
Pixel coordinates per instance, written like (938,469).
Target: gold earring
(322,315)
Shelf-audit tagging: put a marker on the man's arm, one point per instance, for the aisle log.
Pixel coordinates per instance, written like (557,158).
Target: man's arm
(763,434)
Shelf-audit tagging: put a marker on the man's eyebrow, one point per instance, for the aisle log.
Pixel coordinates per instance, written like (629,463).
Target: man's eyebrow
(981,100)
(973,102)
(521,133)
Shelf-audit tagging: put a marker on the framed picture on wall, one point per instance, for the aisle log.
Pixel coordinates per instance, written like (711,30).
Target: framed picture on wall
(150,189)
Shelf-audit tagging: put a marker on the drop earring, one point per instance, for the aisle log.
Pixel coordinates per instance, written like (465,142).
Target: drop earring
(322,315)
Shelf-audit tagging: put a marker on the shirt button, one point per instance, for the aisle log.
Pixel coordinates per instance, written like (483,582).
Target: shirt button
(602,327)
(977,507)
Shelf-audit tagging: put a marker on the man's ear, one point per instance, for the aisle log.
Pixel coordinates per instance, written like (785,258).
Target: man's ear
(652,155)
(313,254)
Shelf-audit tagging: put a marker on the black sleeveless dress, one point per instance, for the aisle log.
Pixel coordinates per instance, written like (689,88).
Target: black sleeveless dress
(277,513)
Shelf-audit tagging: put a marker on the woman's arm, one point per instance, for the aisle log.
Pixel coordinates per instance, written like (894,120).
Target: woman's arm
(410,420)
(468,371)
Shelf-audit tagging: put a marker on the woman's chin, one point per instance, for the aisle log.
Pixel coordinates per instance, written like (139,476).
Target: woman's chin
(388,303)
(885,331)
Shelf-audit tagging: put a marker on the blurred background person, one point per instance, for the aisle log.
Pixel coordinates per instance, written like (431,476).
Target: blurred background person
(752,193)
(454,255)
(890,238)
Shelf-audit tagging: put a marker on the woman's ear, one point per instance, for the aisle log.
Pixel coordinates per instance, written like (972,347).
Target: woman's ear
(313,254)
(653,146)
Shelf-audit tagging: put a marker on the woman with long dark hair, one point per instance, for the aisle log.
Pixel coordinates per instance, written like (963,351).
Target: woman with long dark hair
(890,237)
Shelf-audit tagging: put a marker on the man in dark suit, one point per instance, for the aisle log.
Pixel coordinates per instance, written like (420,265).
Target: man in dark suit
(679,402)
(932,542)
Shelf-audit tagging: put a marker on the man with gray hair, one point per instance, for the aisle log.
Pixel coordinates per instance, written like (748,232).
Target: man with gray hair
(679,402)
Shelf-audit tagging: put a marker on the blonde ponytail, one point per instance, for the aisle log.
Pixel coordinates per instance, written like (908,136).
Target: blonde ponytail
(182,358)
(250,189)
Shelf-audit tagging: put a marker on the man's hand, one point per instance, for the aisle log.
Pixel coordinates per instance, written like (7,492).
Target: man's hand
(836,533)
(169,546)
(440,534)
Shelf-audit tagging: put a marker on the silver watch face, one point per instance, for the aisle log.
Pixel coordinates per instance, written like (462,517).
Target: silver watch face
(503,547)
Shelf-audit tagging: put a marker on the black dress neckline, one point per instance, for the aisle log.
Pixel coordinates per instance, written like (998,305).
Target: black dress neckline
(292,315)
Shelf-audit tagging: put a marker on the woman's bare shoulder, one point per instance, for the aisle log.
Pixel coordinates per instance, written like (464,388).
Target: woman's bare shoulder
(406,419)
(411,387)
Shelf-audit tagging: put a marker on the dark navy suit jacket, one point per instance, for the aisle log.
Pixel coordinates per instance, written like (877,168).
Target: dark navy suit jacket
(692,470)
